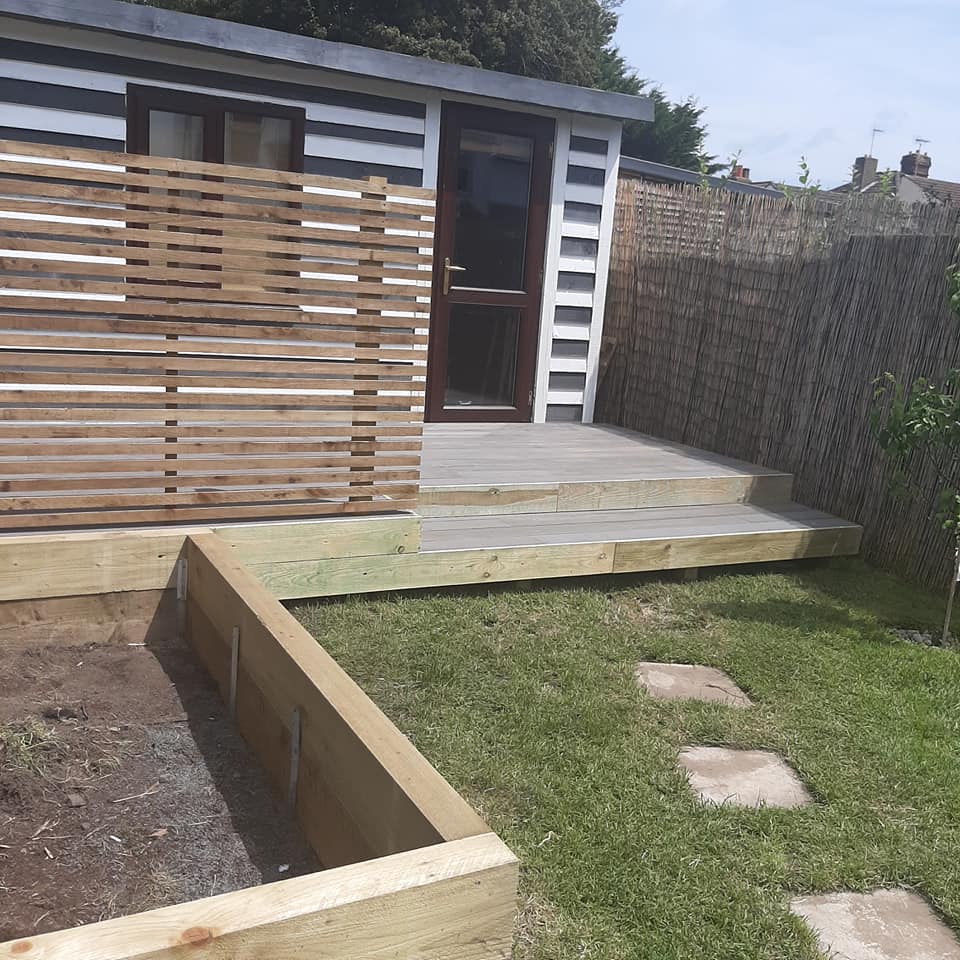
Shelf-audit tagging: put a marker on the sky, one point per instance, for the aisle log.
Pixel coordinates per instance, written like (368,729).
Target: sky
(782,79)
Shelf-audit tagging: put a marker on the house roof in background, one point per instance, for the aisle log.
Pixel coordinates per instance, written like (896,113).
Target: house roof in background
(181,29)
(935,191)
(663,172)
(940,191)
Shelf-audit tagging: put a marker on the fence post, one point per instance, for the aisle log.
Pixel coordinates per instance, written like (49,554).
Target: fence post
(365,418)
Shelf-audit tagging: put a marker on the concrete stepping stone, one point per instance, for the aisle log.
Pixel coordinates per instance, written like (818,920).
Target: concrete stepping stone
(883,925)
(742,778)
(685,681)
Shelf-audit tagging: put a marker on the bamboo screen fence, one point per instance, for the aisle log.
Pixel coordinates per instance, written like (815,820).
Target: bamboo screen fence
(755,328)
(191,341)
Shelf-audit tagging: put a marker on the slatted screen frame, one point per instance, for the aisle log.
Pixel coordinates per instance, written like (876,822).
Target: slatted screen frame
(268,362)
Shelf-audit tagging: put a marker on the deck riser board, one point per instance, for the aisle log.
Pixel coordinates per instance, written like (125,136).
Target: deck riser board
(479,500)
(499,564)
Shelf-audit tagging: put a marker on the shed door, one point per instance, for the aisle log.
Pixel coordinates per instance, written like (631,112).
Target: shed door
(493,191)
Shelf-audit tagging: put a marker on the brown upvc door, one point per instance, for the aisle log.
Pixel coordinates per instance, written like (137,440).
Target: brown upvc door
(493,194)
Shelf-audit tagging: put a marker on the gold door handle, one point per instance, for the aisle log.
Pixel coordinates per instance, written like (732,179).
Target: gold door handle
(449,268)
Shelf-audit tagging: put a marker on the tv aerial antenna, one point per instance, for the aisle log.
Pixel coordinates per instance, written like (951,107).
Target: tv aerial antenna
(873,137)
(920,144)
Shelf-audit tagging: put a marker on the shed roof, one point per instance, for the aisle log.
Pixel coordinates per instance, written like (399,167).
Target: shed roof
(664,173)
(181,29)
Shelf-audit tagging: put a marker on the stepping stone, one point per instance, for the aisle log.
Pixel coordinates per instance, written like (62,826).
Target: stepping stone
(684,681)
(883,925)
(742,778)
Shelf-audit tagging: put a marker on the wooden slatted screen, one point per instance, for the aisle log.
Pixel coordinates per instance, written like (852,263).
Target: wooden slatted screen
(185,341)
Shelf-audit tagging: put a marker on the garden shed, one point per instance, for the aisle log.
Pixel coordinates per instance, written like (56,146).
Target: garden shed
(525,170)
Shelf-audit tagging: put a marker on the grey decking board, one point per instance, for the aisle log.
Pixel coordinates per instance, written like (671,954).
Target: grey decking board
(500,454)
(602,526)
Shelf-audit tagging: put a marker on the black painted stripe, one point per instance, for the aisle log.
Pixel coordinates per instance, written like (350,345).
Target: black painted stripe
(215,79)
(60,139)
(348,132)
(569,349)
(568,381)
(588,145)
(358,170)
(577,212)
(564,413)
(33,94)
(575,282)
(578,315)
(590,176)
(578,247)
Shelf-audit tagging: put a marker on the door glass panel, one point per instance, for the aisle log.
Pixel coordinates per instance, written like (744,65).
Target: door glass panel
(252,141)
(481,355)
(493,196)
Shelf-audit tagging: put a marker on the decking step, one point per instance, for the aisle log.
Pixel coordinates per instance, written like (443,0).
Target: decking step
(484,469)
(624,526)
(464,550)
(676,490)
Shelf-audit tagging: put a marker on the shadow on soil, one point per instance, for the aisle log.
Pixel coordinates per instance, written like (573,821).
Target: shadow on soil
(239,822)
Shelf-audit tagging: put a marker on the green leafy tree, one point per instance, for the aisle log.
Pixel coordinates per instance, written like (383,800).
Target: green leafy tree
(918,427)
(568,41)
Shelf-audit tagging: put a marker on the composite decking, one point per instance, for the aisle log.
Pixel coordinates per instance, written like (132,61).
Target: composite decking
(551,453)
(532,501)
(537,468)
(499,503)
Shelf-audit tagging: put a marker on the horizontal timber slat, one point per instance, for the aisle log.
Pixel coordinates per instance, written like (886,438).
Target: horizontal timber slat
(220,241)
(161,252)
(193,311)
(283,178)
(132,464)
(178,198)
(230,271)
(215,513)
(305,334)
(98,431)
(205,406)
(144,207)
(173,345)
(137,360)
(93,289)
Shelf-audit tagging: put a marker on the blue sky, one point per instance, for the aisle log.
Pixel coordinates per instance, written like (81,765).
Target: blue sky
(782,79)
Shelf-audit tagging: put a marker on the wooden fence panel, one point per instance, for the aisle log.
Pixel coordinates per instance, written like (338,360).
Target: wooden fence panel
(755,328)
(201,342)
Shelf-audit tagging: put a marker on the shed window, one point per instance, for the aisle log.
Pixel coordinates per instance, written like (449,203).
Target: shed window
(187,126)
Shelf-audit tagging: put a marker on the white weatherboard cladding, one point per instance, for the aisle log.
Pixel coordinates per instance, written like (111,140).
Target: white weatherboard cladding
(579,232)
(354,131)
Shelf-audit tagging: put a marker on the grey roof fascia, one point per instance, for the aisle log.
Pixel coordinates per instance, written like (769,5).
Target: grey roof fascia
(150,23)
(649,168)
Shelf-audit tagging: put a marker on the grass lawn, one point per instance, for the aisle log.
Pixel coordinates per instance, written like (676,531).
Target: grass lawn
(525,701)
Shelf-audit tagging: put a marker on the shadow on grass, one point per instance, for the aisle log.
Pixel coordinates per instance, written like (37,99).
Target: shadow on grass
(844,594)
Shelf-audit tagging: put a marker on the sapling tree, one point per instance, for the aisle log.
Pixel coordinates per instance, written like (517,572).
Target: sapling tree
(918,427)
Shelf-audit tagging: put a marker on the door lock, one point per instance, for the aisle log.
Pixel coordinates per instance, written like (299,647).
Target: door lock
(449,268)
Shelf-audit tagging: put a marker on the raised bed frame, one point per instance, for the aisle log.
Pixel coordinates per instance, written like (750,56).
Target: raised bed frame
(413,872)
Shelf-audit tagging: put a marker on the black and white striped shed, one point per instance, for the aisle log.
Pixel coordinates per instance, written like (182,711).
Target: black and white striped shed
(67,69)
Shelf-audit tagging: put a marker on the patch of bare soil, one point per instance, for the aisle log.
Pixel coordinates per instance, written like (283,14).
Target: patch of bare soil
(124,787)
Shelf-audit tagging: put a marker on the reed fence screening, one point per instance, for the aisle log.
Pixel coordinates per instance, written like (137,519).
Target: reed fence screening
(755,327)
(199,342)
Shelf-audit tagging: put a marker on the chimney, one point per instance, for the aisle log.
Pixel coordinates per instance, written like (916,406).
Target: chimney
(915,164)
(864,172)
(740,172)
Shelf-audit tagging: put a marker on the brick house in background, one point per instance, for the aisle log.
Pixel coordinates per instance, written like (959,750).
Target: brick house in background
(911,184)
